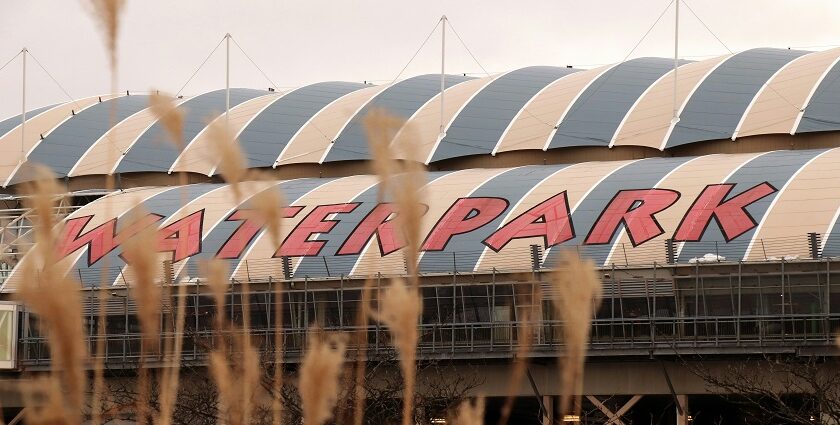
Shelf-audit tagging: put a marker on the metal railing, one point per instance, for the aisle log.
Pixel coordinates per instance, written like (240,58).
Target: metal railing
(500,339)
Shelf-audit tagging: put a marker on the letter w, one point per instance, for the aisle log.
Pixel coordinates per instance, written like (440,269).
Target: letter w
(100,240)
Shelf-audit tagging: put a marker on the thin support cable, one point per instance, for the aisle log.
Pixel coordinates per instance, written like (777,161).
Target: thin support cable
(458,36)
(609,74)
(10,60)
(525,109)
(72,99)
(706,26)
(417,52)
(273,84)
(201,66)
(638,43)
(768,85)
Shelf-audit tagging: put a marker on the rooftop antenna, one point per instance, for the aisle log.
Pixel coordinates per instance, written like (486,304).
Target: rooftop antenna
(675,118)
(442,133)
(23,107)
(227,79)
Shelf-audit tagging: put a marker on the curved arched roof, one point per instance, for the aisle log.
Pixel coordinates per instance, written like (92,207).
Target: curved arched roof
(744,207)
(759,91)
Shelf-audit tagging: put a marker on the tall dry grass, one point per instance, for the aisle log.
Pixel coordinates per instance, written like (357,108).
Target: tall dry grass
(320,374)
(277,376)
(525,340)
(166,111)
(143,265)
(470,412)
(235,371)
(577,292)
(381,128)
(361,356)
(267,205)
(403,181)
(172,364)
(107,15)
(399,309)
(56,299)
(232,165)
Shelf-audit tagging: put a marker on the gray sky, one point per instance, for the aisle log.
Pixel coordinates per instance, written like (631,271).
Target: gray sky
(299,42)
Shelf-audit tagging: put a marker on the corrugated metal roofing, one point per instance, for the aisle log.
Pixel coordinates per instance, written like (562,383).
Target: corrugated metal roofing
(321,123)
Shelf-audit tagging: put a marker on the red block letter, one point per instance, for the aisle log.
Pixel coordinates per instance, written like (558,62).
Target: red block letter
(634,209)
(550,220)
(252,223)
(378,222)
(297,244)
(100,240)
(731,215)
(183,237)
(465,215)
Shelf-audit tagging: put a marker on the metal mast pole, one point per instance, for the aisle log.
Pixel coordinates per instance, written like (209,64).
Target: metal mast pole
(23,108)
(675,118)
(442,134)
(227,79)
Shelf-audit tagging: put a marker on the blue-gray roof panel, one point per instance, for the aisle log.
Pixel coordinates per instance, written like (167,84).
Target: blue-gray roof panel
(480,125)
(153,151)
(716,107)
(401,99)
(9,124)
(596,114)
(823,111)
(270,131)
(65,145)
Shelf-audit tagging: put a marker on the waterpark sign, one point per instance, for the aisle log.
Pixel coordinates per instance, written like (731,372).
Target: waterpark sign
(551,220)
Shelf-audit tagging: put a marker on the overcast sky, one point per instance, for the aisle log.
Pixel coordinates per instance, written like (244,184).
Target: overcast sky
(162,42)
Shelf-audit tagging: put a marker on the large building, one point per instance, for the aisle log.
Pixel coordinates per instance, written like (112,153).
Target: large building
(708,197)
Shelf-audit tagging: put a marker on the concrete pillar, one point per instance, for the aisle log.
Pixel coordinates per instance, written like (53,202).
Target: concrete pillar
(548,402)
(682,419)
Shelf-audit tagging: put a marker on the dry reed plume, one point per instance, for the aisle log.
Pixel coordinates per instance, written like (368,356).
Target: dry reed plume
(577,290)
(320,374)
(171,373)
(166,111)
(470,413)
(399,310)
(400,307)
(361,349)
(381,128)
(232,165)
(56,299)
(525,339)
(403,179)
(243,363)
(268,206)
(107,14)
(142,260)
(277,379)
